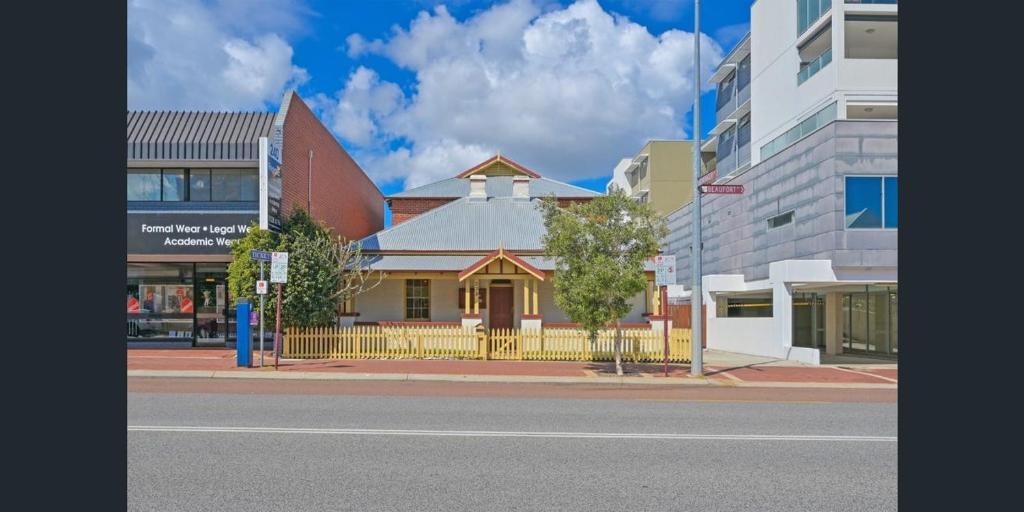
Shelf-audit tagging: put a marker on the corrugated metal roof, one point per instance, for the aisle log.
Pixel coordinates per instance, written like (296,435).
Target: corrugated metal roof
(497,186)
(197,135)
(466,224)
(438,263)
(396,262)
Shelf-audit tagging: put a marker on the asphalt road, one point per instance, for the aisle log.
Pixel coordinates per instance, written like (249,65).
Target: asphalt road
(255,451)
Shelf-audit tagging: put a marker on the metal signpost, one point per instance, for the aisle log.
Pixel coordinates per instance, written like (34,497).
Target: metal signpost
(697,362)
(279,275)
(664,275)
(262,257)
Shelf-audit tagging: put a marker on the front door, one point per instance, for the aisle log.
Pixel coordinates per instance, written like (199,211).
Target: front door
(500,305)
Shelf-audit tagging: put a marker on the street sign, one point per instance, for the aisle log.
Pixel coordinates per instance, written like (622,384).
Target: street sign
(279,267)
(260,255)
(721,189)
(665,270)
(261,287)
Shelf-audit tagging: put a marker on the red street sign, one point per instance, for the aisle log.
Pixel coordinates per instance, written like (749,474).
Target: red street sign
(721,189)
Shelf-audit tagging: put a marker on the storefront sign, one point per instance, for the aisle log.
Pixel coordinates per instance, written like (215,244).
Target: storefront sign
(279,268)
(271,186)
(185,233)
(665,270)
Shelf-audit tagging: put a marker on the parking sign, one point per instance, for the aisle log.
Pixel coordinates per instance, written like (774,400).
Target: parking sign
(279,267)
(665,270)
(261,287)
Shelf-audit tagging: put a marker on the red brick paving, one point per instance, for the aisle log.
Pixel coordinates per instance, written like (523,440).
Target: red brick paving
(224,359)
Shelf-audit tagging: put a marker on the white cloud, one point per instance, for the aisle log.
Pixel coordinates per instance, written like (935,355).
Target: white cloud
(568,91)
(729,35)
(190,54)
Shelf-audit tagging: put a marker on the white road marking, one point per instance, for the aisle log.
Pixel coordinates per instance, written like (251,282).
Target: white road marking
(487,433)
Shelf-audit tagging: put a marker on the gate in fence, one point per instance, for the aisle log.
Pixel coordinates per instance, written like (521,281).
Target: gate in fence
(379,342)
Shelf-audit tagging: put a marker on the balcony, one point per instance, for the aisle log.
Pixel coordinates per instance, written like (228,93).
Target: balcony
(728,107)
(811,68)
(728,164)
(743,155)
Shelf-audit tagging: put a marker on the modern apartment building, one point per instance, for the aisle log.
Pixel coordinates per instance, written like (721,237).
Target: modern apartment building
(660,174)
(805,260)
(803,64)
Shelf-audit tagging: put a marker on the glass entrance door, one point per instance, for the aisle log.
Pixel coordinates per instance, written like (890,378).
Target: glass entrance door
(870,320)
(211,304)
(808,320)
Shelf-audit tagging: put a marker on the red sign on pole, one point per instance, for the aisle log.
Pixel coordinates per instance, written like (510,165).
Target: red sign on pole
(721,189)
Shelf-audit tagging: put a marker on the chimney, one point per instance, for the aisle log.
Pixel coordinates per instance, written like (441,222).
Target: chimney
(478,187)
(521,187)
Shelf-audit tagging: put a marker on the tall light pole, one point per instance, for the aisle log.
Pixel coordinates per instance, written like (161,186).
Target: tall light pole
(696,250)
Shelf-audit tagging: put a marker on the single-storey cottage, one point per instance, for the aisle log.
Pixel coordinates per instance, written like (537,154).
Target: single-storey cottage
(468,250)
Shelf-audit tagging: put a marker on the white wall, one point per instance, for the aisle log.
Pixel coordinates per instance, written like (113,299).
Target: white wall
(551,313)
(383,303)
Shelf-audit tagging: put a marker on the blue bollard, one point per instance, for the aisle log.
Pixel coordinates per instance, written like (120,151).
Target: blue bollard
(243,351)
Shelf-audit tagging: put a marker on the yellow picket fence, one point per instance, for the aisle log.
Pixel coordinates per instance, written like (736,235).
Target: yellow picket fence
(556,344)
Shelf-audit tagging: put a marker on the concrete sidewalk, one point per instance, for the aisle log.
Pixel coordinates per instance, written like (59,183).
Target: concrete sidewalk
(721,369)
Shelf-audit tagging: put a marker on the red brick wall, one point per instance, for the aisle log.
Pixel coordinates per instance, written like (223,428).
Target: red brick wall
(343,196)
(563,202)
(405,209)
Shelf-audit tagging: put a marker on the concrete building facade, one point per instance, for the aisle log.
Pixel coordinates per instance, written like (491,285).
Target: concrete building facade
(805,260)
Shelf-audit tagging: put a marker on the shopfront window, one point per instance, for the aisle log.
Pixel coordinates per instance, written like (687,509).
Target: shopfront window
(870,320)
(759,306)
(212,308)
(161,300)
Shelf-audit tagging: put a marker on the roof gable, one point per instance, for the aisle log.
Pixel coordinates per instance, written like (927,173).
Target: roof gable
(498,165)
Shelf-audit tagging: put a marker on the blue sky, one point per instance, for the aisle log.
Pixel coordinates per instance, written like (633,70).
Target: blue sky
(417,90)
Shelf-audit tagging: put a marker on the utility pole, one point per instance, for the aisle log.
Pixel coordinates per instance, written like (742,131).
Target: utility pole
(696,249)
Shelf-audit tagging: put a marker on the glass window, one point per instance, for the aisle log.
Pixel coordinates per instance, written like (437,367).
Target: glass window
(724,95)
(143,184)
(160,300)
(250,185)
(891,200)
(743,134)
(417,299)
(199,185)
(749,307)
(226,185)
(801,16)
(725,143)
(174,185)
(235,185)
(743,73)
(781,220)
(863,202)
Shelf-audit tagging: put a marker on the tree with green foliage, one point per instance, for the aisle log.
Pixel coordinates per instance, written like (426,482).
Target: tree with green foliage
(313,278)
(323,270)
(243,271)
(600,248)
